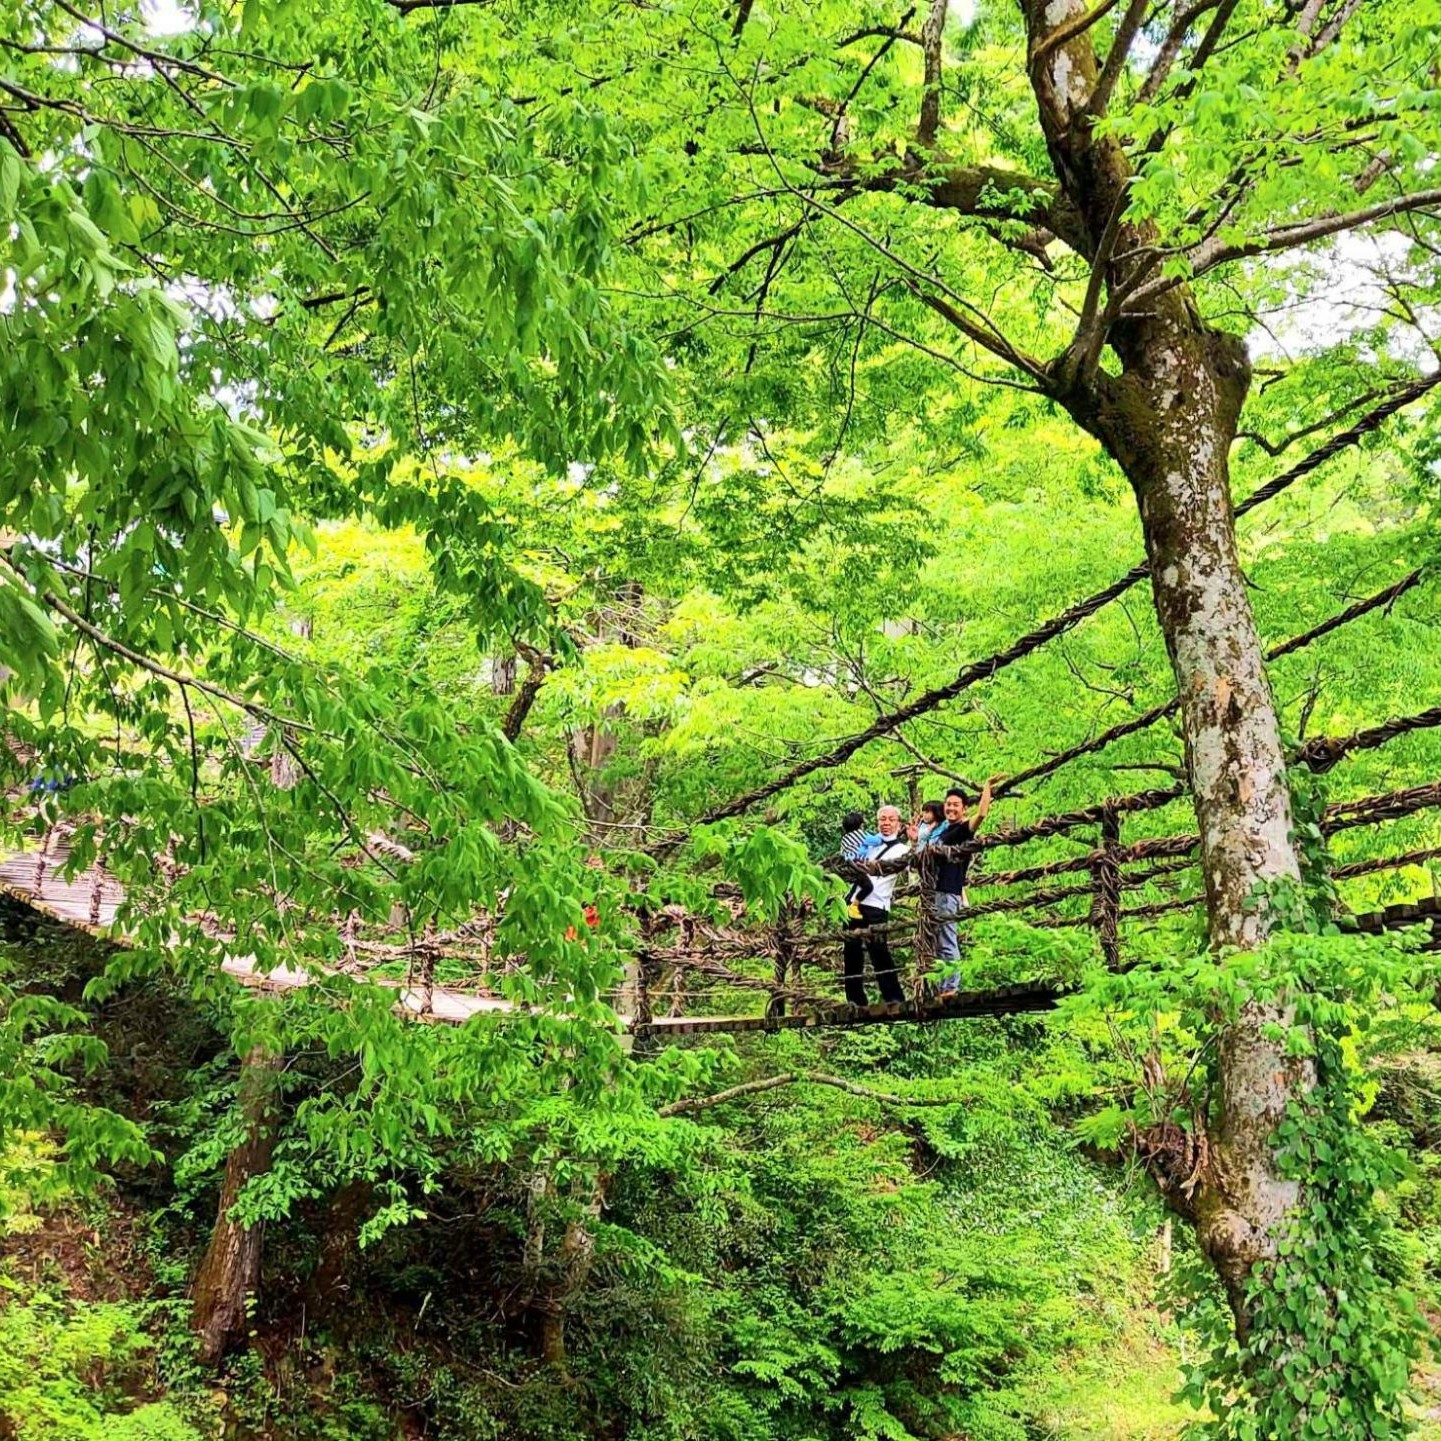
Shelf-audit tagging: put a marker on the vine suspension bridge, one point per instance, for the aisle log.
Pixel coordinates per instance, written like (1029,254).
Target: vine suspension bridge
(690,973)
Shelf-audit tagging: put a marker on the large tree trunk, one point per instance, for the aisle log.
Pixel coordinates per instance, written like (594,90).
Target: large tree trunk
(1170,420)
(230,1270)
(591,750)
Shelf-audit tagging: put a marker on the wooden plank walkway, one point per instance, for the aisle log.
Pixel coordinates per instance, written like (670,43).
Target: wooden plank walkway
(74,903)
(1002,1001)
(89,901)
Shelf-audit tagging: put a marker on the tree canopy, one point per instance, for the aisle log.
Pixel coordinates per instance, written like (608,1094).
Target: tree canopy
(471,458)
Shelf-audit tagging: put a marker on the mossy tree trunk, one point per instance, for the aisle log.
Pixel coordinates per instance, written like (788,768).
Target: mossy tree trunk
(1167,411)
(569,1272)
(1172,430)
(328,1288)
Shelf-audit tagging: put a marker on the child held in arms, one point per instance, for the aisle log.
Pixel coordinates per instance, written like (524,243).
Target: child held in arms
(929,819)
(856,840)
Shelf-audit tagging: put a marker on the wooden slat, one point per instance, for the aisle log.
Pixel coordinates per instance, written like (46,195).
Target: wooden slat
(62,900)
(1002,1001)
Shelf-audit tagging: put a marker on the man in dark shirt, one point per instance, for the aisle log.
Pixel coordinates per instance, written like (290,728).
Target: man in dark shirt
(959,828)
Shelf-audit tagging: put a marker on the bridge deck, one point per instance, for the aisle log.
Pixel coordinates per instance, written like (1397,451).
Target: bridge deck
(1002,1001)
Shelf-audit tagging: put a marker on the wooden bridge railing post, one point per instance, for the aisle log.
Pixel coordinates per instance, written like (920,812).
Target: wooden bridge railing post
(645,973)
(1106,899)
(39,883)
(786,960)
(927,924)
(638,1006)
(429,945)
(97,883)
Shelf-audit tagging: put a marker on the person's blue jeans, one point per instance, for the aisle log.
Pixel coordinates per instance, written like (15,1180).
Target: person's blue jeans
(948,944)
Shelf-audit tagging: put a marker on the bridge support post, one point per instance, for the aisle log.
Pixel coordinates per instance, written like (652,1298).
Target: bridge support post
(637,1005)
(1106,900)
(786,960)
(927,926)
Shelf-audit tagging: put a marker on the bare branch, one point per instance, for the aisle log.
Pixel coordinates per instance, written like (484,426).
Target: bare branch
(1091,333)
(840,130)
(1376,167)
(1207,47)
(1116,58)
(771,242)
(793,1078)
(1287,237)
(1275,448)
(1310,14)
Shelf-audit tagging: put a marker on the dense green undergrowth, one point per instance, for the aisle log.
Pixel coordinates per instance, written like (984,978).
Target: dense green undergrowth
(814,1264)
(811,1264)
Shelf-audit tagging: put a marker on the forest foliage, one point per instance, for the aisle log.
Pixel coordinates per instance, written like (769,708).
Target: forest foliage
(522,430)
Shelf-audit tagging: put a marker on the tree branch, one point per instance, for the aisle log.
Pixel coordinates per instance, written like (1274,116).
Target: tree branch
(1171,48)
(175,677)
(989,192)
(988,339)
(1119,52)
(1064,34)
(840,130)
(1091,330)
(792,1078)
(406,6)
(1334,26)
(1287,237)
(880,32)
(538,667)
(984,333)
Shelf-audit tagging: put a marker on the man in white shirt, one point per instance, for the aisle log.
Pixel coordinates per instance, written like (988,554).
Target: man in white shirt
(875,911)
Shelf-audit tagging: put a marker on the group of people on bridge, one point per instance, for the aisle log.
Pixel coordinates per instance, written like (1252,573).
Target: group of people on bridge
(939,825)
